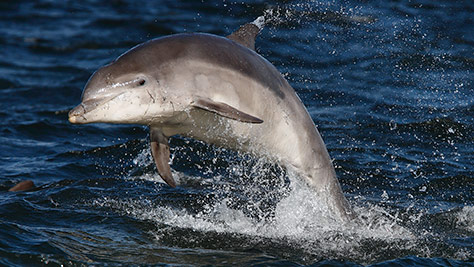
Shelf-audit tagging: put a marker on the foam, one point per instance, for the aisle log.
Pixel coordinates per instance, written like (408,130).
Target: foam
(298,217)
(465,218)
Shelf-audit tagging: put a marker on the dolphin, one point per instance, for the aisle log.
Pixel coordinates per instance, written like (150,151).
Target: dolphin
(217,90)
(22,186)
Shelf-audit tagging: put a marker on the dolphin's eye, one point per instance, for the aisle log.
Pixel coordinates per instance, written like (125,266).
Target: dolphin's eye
(141,82)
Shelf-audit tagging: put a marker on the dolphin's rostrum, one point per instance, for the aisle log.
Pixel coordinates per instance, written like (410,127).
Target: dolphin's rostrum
(214,89)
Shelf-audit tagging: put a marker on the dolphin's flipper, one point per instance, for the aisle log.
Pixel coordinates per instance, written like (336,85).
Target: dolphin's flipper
(247,33)
(224,110)
(160,150)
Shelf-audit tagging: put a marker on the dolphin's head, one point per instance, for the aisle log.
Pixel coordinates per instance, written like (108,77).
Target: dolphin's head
(123,92)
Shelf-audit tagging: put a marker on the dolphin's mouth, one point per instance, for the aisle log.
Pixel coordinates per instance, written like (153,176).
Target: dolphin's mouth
(77,114)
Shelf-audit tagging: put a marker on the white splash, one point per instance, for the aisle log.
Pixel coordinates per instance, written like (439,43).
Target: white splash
(297,217)
(259,22)
(465,218)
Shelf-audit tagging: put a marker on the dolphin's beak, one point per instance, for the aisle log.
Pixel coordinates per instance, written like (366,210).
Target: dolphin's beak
(77,114)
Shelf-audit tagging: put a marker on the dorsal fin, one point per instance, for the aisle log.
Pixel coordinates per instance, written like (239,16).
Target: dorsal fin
(247,33)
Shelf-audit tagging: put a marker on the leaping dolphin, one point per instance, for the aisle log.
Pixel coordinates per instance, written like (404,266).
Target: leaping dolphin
(217,90)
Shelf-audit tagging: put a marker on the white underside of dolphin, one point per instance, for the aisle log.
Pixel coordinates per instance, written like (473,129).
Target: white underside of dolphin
(214,89)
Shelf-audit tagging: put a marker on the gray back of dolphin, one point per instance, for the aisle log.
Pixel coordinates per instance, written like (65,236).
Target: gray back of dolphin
(214,89)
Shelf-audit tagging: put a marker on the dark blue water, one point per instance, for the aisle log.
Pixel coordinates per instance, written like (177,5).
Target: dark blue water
(389,84)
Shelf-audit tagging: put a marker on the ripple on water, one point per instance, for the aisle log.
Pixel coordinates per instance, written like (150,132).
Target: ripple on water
(388,84)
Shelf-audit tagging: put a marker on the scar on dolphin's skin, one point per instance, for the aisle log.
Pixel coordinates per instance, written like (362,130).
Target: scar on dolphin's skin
(258,110)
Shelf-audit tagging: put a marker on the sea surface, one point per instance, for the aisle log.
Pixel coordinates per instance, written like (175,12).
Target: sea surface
(389,84)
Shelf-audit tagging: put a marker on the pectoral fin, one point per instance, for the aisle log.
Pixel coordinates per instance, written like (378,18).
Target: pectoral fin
(225,110)
(160,150)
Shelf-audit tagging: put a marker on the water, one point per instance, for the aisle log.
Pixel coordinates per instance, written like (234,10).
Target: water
(389,84)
